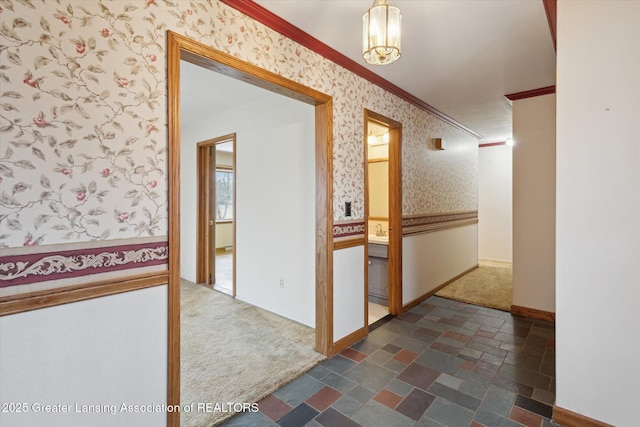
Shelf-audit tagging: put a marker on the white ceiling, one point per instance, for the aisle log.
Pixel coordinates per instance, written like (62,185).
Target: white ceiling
(459,56)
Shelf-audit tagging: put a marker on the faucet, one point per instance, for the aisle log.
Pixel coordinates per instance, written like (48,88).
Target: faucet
(379,231)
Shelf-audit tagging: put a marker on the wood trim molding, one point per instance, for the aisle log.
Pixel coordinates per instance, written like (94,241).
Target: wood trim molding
(174,44)
(378,160)
(551,9)
(567,418)
(408,306)
(345,342)
(324,226)
(348,243)
(273,21)
(533,313)
(45,299)
(492,144)
(548,90)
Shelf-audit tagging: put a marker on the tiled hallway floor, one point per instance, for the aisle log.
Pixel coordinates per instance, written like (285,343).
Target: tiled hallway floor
(444,363)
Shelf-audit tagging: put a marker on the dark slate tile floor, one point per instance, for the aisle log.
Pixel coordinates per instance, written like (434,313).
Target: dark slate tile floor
(444,363)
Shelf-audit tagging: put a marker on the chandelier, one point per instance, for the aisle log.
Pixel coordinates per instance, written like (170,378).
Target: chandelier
(381,33)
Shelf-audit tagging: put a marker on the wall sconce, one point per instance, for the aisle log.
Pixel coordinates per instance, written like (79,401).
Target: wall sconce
(375,140)
(440,144)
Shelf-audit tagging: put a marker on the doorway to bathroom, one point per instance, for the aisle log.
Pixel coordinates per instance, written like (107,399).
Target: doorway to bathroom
(383,213)
(215,263)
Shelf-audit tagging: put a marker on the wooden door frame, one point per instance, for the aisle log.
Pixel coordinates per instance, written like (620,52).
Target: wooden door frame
(203,234)
(395,211)
(179,48)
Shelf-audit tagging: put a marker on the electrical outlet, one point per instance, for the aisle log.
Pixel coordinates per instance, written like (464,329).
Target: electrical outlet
(281,282)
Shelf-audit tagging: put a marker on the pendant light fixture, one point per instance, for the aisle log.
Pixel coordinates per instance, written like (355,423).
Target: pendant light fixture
(381,33)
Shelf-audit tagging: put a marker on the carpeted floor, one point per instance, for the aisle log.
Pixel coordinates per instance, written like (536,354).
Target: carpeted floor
(489,285)
(234,352)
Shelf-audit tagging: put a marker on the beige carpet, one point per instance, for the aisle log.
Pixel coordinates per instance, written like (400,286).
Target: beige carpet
(234,352)
(489,285)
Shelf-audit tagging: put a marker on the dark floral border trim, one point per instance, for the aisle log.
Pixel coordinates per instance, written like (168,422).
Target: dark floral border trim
(432,222)
(348,229)
(33,268)
(417,220)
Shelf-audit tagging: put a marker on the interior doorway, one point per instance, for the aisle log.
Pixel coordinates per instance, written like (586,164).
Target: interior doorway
(378,220)
(216,229)
(182,48)
(383,216)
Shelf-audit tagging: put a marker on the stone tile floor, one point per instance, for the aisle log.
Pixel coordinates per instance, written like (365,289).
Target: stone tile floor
(444,363)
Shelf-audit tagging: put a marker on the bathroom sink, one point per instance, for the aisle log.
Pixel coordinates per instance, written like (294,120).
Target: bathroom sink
(378,239)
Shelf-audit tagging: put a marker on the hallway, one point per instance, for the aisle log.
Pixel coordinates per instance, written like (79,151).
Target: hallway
(444,363)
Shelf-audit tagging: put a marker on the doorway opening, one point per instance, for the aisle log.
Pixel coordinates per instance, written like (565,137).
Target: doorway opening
(378,220)
(383,212)
(216,231)
(182,48)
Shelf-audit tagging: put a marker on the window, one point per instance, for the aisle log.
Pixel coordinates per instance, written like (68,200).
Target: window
(224,195)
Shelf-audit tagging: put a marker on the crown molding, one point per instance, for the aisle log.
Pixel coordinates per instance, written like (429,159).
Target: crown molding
(531,93)
(551,9)
(492,144)
(273,21)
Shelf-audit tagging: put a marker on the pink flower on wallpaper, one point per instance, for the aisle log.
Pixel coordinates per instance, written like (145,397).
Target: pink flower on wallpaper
(123,82)
(190,12)
(123,216)
(65,20)
(242,29)
(30,242)
(40,121)
(80,48)
(66,171)
(150,2)
(106,172)
(152,58)
(105,32)
(30,81)
(229,38)
(153,184)
(150,128)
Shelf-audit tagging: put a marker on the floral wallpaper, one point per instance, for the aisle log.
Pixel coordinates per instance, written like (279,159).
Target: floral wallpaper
(83,118)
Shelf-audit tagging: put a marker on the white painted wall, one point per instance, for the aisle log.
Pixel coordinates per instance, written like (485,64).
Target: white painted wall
(275,227)
(495,176)
(275,201)
(348,291)
(104,351)
(534,198)
(598,225)
(431,259)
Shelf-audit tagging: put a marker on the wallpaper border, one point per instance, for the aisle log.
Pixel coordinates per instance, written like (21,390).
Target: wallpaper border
(23,268)
(417,224)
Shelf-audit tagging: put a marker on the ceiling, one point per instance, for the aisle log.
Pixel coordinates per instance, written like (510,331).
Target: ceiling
(459,56)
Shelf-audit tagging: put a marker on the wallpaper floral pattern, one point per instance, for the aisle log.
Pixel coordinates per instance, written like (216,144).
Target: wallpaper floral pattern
(83,116)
